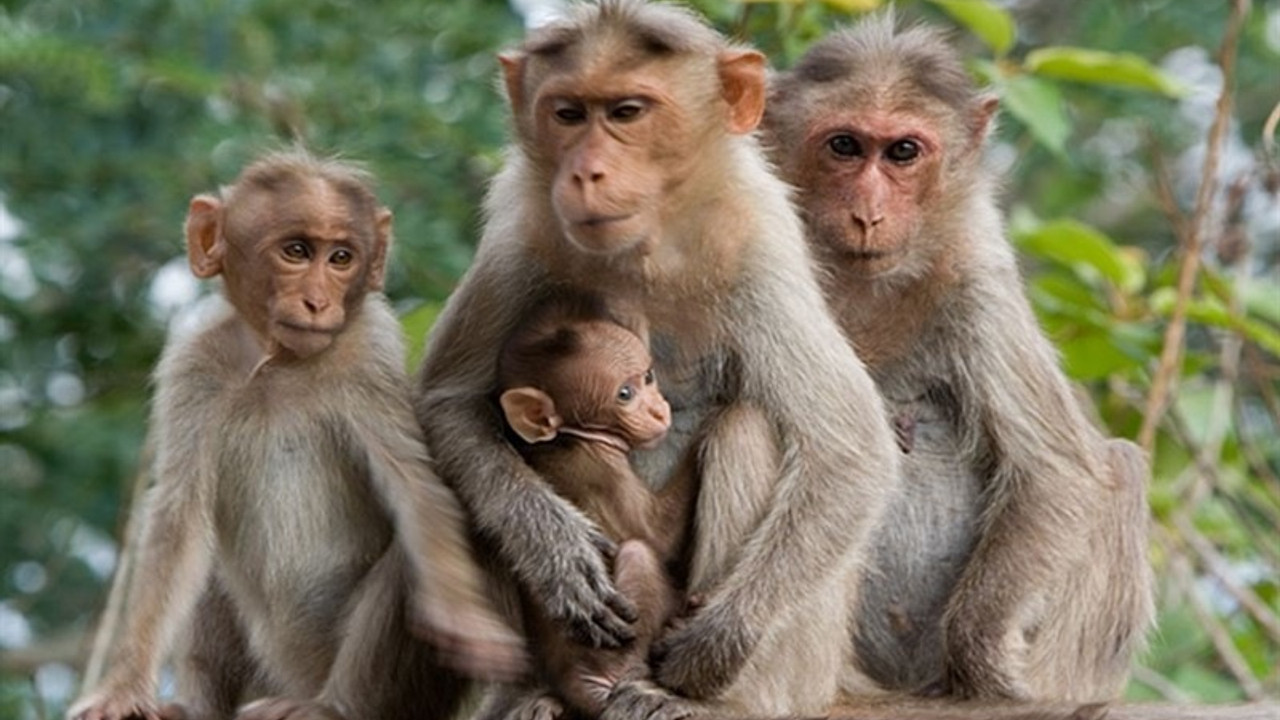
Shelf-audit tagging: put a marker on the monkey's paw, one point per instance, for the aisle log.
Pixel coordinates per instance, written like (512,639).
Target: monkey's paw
(704,656)
(474,643)
(642,700)
(123,706)
(279,708)
(578,594)
(537,707)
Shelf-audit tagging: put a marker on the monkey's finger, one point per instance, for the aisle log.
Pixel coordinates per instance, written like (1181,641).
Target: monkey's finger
(600,618)
(641,699)
(607,547)
(617,603)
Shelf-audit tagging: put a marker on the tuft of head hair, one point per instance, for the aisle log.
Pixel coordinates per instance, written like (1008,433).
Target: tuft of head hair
(878,54)
(654,29)
(279,170)
(548,335)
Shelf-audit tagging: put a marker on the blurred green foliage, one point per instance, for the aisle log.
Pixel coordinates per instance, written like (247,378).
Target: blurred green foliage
(114,113)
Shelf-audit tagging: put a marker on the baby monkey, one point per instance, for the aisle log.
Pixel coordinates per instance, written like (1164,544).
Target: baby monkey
(578,388)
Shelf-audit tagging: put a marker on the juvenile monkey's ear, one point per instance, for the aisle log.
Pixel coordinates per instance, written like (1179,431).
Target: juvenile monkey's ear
(513,77)
(205,246)
(742,84)
(531,413)
(381,246)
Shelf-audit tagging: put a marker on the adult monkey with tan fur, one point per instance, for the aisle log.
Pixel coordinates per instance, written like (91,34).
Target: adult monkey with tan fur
(634,175)
(580,392)
(292,484)
(1014,564)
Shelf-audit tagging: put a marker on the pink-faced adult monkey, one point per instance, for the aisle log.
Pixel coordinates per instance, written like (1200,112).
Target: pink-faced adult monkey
(1014,563)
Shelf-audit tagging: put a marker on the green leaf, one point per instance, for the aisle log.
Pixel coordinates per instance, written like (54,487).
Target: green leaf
(1038,105)
(1073,243)
(1211,311)
(1098,67)
(1263,300)
(1095,356)
(415,324)
(990,23)
(853,6)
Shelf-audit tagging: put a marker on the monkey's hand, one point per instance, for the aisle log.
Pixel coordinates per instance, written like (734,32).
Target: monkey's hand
(642,700)
(123,705)
(281,708)
(703,656)
(472,640)
(576,591)
(538,706)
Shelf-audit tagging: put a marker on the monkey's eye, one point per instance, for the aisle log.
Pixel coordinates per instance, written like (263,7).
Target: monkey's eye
(342,257)
(296,250)
(903,151)
(626,393)
(649,377)
(626,111)
(845,146)
(569,113)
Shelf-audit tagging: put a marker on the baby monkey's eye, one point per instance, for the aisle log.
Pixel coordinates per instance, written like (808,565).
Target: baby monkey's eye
(649,377)
(626,393)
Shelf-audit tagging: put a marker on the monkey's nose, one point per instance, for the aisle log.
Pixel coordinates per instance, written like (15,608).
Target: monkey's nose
(865,224)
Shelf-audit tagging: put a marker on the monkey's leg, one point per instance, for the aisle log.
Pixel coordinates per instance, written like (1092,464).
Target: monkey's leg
(1084,649)
(381,670)
(592,675)
(214,668)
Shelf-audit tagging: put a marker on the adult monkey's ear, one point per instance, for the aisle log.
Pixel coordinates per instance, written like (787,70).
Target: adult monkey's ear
(742,84)
(982,122)
(531,413)
(205,244)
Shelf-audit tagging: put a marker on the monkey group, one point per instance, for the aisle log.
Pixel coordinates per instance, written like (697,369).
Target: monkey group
(865,479)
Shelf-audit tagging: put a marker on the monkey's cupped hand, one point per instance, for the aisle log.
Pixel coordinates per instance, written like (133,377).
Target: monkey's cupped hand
(583,600)
(472,642)
(703,655)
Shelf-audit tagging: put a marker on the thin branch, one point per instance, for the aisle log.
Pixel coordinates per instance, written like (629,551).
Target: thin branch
(1171,354)
(1218,634)
(1163,686)
(1217,566)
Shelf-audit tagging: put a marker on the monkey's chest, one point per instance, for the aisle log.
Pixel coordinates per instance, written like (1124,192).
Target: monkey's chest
(296,521)
(923,544)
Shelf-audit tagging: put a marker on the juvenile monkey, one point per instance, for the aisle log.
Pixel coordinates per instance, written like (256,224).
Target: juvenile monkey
(634,175)
(292,484)
(1013,564)
(580,392)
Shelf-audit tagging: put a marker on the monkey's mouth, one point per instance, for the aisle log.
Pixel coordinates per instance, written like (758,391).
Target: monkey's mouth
(596,221)
(307,328)
(651,443)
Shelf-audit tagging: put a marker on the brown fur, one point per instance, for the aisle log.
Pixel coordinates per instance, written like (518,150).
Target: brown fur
(673,211)
(292,484)
(570,358)
(1013,563)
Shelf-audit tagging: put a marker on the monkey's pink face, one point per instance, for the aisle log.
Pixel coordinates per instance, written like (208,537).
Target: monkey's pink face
(644,415)
(615,157)
(865,180)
